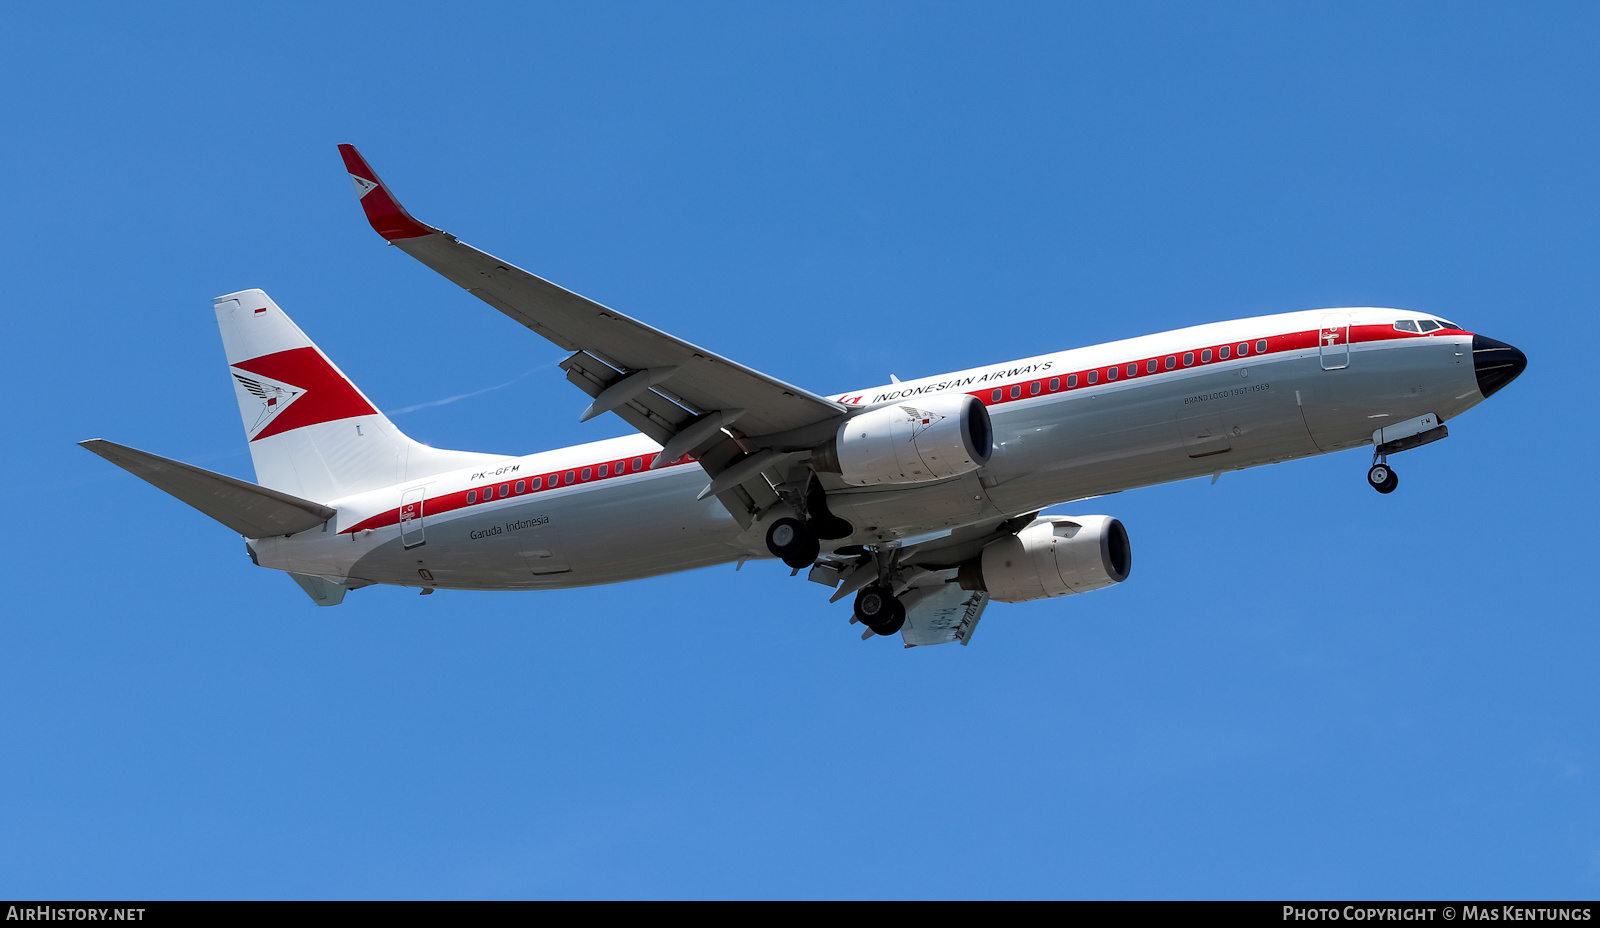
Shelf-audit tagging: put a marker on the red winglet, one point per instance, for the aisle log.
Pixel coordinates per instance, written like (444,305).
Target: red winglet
(387,216)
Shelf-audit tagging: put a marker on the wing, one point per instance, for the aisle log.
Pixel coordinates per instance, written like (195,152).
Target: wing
(680,395)
(736,421)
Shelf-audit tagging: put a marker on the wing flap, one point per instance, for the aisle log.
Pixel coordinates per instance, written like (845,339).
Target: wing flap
(252,511)
(941,613)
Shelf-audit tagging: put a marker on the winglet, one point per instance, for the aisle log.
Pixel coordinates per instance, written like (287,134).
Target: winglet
(387,216)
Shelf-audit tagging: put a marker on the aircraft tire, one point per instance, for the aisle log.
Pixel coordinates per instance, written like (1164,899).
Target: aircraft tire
(1388,485)
(1382,474)
(794,544)
(896,621)
(878,609)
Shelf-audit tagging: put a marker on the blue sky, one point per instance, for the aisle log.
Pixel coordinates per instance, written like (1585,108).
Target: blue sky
(1305,689)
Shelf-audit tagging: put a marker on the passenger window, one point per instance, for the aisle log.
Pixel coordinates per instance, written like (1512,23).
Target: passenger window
(1055,384)
(1427,325)
(1016,392)
(1072,381)
(1111,373)
(1244,349)
(535,483)
(570,475)
(472,497)
(1133,368)
(638,463)
(1094,376)
(488,493)
(1222,352)
(994,397)
(1406,325)
(522,486)
(1037,386)
(505,489)
(1172,362)
(605,470)
(1261,346)
(1150,366)
(1188,358)
(1205,356)
(586,472)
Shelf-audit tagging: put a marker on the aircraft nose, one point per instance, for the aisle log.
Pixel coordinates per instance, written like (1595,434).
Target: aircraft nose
(1496,363)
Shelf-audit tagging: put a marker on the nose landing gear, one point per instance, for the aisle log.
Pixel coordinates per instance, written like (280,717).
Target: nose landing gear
(1382,477)
(1402,436)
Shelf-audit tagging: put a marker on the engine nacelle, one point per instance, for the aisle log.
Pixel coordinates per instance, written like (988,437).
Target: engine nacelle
(928,439)
(1055,556)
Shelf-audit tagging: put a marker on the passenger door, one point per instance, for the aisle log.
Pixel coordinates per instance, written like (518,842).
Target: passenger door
(1335,341)
(411,517)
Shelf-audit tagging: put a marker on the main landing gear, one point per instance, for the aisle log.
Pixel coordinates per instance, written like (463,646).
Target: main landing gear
(1382,477)
(791,542)
(797,543)
(878,609)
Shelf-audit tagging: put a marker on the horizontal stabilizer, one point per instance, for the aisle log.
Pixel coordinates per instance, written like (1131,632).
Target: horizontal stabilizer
(250,510)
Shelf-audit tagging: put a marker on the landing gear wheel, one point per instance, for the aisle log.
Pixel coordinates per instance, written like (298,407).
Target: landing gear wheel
(791,542)
(878,610)
(1383,478)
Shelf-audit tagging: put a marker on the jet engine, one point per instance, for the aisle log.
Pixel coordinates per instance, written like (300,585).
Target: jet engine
(926,439)
(1055,556)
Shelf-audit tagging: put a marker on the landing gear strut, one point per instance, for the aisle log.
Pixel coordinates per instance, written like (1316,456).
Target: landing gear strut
(877,609)
(791,542)
(1382,477)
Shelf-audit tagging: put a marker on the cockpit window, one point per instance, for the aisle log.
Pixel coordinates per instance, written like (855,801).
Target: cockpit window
(1451,325)
(1406,325)
(1427,325)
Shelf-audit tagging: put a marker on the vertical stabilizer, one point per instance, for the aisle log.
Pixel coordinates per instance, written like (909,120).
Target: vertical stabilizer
(312,433)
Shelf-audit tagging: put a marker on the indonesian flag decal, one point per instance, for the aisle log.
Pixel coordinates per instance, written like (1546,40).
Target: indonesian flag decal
(921,419)
(273,395)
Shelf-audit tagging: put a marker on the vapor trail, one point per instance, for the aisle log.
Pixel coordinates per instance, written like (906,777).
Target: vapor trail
(463,396)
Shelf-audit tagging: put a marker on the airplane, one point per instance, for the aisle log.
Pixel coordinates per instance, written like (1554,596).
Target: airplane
(924,499)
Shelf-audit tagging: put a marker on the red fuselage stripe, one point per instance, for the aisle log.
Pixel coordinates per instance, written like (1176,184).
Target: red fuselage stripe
(1016,391)
(492,491)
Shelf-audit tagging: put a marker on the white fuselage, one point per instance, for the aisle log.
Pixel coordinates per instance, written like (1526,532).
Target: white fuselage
(595,513)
